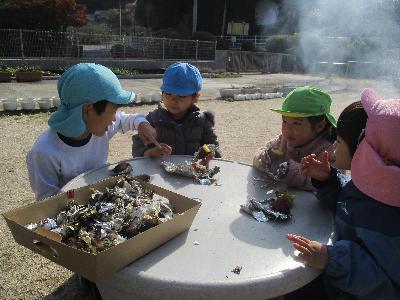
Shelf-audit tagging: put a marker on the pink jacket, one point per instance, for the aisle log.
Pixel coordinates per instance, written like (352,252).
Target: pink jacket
(292,155)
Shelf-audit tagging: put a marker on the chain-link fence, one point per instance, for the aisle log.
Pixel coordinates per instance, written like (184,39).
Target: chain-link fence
(28,43)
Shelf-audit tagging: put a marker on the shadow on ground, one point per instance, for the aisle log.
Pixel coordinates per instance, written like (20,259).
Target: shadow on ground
(68,290)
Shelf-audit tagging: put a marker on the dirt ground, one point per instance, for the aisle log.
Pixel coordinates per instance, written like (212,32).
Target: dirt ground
(242,127)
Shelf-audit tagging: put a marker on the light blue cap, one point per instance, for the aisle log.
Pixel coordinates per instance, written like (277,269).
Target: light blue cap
(182,79)
(80,84)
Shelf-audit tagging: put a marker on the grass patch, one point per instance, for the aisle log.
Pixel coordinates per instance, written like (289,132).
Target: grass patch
(20,115)
(122,71)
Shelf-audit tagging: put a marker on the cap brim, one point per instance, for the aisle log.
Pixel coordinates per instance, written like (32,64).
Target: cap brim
(331,120)
(125,97)
(178,92)
(291,114)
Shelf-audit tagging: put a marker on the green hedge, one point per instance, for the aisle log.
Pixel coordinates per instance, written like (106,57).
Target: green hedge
(322,48)
(222,44)
(280,43)
(247,46)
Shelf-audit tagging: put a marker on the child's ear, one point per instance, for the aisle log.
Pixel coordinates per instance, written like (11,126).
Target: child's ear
(86,110)
(321,126)
(196,98)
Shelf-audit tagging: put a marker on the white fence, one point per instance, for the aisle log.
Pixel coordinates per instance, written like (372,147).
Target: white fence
(42,44)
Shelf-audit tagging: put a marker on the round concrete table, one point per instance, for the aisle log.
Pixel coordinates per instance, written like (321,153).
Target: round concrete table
(198,263)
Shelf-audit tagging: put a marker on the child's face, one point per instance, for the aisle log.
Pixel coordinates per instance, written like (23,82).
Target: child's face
(178,105)
(342,154)
(299,131)
(97,123)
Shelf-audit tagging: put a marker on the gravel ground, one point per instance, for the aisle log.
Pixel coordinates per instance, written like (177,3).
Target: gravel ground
(242,127)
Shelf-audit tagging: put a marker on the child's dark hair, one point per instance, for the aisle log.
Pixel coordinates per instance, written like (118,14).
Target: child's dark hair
(329,128)
(100,106)
(350,124)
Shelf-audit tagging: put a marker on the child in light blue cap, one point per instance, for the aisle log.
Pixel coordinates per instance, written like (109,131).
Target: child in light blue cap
(180,125)
(81,128)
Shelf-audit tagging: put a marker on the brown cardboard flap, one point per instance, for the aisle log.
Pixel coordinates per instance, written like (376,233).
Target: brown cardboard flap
(49,234)
(96,267)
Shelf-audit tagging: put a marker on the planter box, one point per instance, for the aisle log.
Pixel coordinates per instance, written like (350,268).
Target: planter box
(5,76)
(23,76)
(229,92)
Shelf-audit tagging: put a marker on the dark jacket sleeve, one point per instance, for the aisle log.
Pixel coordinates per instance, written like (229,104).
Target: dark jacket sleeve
(138,148)
(209,136)
(328,191)
(366,263)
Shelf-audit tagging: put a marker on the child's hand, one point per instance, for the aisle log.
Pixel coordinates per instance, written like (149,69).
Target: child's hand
(262,160)
(158,152)
(313,253)
(148,134)
(314,168)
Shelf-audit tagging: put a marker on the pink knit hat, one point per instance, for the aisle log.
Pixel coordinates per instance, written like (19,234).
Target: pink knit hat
(375,168)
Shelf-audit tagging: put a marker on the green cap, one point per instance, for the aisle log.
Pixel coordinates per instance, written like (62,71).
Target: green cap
(305,102)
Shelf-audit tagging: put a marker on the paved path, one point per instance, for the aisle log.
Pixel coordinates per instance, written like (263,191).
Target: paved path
(211,86)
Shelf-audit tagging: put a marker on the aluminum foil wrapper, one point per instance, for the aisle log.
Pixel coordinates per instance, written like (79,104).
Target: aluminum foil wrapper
(263,212)
(205,150)
(186,169)
(48,223)
(31,226)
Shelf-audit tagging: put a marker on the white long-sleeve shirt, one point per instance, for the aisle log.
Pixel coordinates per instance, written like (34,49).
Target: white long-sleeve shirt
(52,163)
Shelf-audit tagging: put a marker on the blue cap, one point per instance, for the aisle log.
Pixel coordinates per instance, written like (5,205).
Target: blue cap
(80,84)
(182,79)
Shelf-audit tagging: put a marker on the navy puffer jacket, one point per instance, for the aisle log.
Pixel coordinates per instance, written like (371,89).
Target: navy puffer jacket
(364,262)
(184,137)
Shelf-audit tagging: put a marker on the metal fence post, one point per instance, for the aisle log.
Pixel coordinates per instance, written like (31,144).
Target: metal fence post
(77,43)
(21,44)
(163,48)
(123,44)
(215,49)
(197,49)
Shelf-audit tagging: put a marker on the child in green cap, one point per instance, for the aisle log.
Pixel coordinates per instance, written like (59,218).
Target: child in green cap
(307,127)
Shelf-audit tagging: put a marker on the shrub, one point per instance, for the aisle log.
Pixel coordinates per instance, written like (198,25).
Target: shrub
(358,48)
(280,43)
(121,51)
(121,71)
(4,68)
(247,46)
(222,44)
(28,69)
(168,33)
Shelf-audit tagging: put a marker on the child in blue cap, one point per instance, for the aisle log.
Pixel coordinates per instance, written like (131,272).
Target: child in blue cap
(81,128)
(180,125)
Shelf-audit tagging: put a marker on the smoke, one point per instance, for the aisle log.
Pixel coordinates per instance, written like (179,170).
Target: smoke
(364,32)
(266,13)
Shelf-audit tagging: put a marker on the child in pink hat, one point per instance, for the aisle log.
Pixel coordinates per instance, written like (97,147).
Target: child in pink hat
(364,262)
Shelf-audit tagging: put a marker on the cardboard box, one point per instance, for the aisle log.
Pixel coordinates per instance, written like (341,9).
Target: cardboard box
(96,267)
